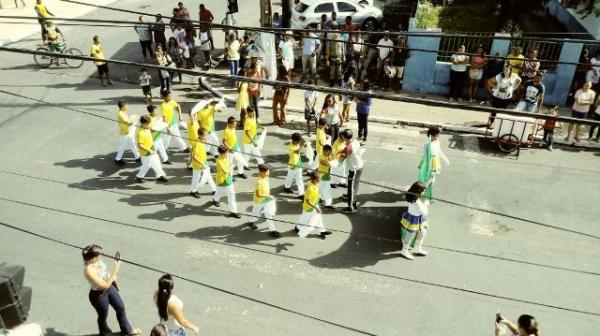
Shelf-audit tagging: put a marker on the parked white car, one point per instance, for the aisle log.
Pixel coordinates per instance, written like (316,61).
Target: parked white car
(307,13)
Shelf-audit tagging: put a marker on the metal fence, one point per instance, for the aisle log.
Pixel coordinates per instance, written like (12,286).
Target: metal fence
(450,44)
(547,50)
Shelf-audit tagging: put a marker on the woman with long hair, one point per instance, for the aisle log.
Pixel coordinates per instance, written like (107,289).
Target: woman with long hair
(280,97)
(331,113)
(170,308)
(104,291)
(348,83)
(176,55)
(526,325)
(476,72)
(163,59)
(501,89)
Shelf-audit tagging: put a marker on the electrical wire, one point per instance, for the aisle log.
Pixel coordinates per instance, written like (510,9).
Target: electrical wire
(537,223)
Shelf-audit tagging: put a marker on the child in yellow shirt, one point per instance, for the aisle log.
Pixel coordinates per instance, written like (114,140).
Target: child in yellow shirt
(201,171)
(148,153)
(230,142)
(311,214)
(294,173)
(225,182)
(263,201)
(126,139)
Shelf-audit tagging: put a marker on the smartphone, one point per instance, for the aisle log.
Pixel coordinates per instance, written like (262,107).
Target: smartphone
(118,256)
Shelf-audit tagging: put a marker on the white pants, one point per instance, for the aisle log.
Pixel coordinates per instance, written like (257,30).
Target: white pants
(159,145)
(238,162)
(228,191)
(295,175)
(200,177)
(309,153)
(315,163)
(213,142)
(265,209)
(127,142)
(338,173)
(252,152)
(176,135)
(325,189)
(151,161)
(309,221)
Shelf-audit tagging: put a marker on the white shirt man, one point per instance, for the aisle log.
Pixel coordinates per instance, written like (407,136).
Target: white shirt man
(310,48)
(286,47)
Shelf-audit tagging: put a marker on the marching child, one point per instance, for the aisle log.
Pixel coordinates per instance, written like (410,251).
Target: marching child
(326,162)
(145,84)
(433,146)
(294,173)
(168,107)
(414,221)
(311,214)
(339,172)
(225,182)
(321,140)
(263,201)
(158,128)
(206,118)
(549,126)
(192,134)
(147,152)
(230,142)
(201,171)
(126,139)
(252,141)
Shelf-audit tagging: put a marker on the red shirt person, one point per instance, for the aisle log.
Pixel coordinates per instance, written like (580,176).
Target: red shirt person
(206,17)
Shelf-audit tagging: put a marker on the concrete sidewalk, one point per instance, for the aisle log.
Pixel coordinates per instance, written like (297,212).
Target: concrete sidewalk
(12,32)
(398,113)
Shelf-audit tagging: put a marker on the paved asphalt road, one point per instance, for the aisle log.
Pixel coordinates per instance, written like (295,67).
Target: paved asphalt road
(517,235)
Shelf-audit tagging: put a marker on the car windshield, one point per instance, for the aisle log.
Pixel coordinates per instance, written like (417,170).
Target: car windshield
(301,7)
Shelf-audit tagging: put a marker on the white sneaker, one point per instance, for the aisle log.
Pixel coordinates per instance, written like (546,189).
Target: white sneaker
(419,251)
(406,254)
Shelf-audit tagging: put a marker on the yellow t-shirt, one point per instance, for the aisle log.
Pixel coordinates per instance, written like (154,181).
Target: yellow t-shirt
(123,119)
(230,138)
(338,147)
(223,176)
(168,111)
(250,127)
(325,169)
(262,188)
(295,159)
(42,11)
(144,137)
(199,151)
(192,130)
(321,140)
(516,64)
(206,118)
(97,52)
(311,195)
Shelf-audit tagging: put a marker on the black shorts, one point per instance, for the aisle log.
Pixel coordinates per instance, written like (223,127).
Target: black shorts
(102,69)
(309,114)
(146,90)
(578,115)
(500,103)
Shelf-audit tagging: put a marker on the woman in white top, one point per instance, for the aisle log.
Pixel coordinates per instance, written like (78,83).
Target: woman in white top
(501,89)
(170,308)
(584,98)
(104,291)
(331,113)
(414,221)
(348,83)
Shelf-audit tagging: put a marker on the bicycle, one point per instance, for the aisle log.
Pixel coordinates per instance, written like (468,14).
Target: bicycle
(45,61)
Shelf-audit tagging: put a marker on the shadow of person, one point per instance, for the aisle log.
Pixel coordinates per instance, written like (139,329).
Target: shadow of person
(102,163)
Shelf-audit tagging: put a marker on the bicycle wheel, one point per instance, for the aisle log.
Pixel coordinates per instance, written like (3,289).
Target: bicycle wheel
(43,61)
(71,62)
(508,143)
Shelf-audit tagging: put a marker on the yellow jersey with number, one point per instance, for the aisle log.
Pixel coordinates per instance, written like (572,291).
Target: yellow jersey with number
(124,121)
(144,138)
(250,126)
(262,188)
(311,195)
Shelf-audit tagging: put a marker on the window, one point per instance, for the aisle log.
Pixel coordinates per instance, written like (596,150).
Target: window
(344,7)
(324,8)
(301,7)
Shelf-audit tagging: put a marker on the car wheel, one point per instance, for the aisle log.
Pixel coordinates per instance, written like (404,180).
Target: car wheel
(370,24)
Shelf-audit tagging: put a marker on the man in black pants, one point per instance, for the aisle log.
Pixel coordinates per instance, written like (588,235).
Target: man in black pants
(354,161)
(363,106)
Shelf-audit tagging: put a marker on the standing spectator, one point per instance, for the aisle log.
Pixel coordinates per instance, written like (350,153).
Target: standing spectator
(254,88)
(596,116)
(584,98)
(369,55)
(533,94)
(334,58)
(158,28)
(277,24)
(476,72)
(170,308)
(163,59)
(145,36)
(310,48)
(549,125)
(501,89)
(181,37)
(363,107)
(206,18)
(104,291)
(333,23)
(530,66)
(286,49)
(348,36)
(493,66)
(176,54)
(280,97)
(229,20)
(527,325)
(354,161)
(232,48)
(348,83)
(458,70)
(593,74)
(310,106)
(145,84)
(399,56)
(98,53)
(580,72)
(206,46)
(182,12)
(516,60)
(175,20)
(357,54)
(331,113)
(384,51)
(245,46)
(42,13)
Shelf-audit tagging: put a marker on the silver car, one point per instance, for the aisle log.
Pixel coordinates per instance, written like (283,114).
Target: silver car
(307,13)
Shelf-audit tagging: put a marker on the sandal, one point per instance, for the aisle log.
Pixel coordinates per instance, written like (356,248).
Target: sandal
(135,332)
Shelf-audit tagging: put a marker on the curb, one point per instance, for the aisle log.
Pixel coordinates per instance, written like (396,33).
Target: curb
(388,121)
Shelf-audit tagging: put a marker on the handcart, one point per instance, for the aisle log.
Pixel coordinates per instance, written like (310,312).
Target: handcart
(511,132)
